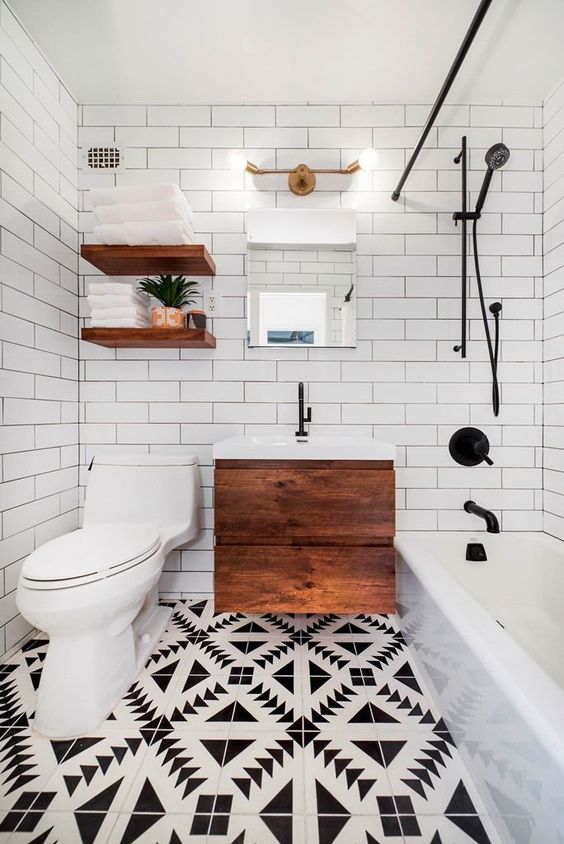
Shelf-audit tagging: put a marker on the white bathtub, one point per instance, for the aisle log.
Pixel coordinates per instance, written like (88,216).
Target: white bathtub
(489,637)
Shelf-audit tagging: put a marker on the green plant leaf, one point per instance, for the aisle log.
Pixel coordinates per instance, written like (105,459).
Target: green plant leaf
(170,292)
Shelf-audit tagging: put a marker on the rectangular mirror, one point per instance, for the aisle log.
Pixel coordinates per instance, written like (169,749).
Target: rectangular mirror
(301,295)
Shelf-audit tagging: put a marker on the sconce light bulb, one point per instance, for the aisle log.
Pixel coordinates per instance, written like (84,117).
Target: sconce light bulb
(368,159)
(237,160)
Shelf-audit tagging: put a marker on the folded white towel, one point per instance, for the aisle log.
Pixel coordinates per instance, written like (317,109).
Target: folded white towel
(115,288)
(120,313)
(113,234)
(150,233)
(110,301)
(134,193)
(132,212)
(120,323)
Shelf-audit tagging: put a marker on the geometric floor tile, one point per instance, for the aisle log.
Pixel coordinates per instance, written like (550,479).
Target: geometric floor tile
(63,827)
(461,829)
(244,729)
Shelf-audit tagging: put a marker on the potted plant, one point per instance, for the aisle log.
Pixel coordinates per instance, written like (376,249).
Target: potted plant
(173,293)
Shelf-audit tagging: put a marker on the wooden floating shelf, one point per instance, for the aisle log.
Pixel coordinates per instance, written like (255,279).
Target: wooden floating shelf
(150,338)
(149,260)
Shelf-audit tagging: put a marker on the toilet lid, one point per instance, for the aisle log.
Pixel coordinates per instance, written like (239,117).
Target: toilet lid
(91,550)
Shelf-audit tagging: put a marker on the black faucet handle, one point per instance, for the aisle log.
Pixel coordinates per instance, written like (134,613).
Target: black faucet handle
(481,449)
(307,417)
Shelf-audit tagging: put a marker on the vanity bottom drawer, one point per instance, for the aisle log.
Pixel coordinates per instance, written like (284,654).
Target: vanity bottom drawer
(305,579)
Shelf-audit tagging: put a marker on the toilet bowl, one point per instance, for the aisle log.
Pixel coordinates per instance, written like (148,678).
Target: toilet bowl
(94,591)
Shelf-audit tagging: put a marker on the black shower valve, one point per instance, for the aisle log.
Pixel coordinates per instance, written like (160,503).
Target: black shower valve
(469,447)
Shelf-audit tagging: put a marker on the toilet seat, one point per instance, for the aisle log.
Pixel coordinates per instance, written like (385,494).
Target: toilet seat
(89,554)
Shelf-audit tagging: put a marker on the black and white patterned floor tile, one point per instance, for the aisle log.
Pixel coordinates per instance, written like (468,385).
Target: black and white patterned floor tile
(244,729)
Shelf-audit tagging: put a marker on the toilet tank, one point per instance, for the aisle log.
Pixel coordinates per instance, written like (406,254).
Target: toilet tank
(149,488)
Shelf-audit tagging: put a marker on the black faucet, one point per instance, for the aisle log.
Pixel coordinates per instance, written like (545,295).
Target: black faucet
(492,524)
(303,416)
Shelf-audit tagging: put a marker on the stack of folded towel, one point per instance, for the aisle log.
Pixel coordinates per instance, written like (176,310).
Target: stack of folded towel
(150,215)
(115,304)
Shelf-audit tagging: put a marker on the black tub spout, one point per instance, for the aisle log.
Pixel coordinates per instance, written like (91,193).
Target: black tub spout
(492,524)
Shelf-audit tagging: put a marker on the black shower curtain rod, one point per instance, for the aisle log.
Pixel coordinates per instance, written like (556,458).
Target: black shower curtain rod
(447,84)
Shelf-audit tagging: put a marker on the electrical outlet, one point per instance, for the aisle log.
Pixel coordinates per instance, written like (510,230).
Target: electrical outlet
(212,304)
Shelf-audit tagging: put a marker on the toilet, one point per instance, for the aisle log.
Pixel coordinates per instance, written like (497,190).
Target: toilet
(94,591)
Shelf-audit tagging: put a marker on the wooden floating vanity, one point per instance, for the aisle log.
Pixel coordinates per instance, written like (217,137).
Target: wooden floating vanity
(304,536)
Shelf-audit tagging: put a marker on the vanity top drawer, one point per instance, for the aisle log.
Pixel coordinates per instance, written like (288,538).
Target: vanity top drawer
(336,505)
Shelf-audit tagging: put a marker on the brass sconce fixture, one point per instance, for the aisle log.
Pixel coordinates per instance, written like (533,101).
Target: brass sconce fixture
(302,179)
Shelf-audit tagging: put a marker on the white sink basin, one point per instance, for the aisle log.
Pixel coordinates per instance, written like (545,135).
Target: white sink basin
(306,448)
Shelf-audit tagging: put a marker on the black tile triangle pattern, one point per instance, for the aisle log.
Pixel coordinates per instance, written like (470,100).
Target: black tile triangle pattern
(147,811)
(224,750)
(240,729)
(331,815)
(382,752)
(41,839)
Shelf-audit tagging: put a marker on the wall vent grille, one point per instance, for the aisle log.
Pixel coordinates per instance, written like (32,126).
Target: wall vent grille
(104,158)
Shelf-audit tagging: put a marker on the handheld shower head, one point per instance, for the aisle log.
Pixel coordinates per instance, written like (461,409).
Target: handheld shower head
(496,157)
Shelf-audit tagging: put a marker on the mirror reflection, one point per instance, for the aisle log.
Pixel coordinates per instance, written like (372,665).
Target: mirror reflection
(301,296)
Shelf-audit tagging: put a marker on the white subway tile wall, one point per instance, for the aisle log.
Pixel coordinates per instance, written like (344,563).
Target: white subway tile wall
(403,382)
(553,459)
(39,310)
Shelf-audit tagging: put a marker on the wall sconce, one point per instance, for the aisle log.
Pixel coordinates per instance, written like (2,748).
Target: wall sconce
(301,179)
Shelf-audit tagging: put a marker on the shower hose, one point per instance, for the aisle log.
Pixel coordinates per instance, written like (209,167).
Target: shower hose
(495,309)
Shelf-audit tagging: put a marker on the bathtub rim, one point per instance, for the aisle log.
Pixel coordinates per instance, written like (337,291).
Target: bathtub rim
(541,703)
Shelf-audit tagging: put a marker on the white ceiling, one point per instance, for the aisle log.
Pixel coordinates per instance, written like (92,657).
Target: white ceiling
(184,51)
